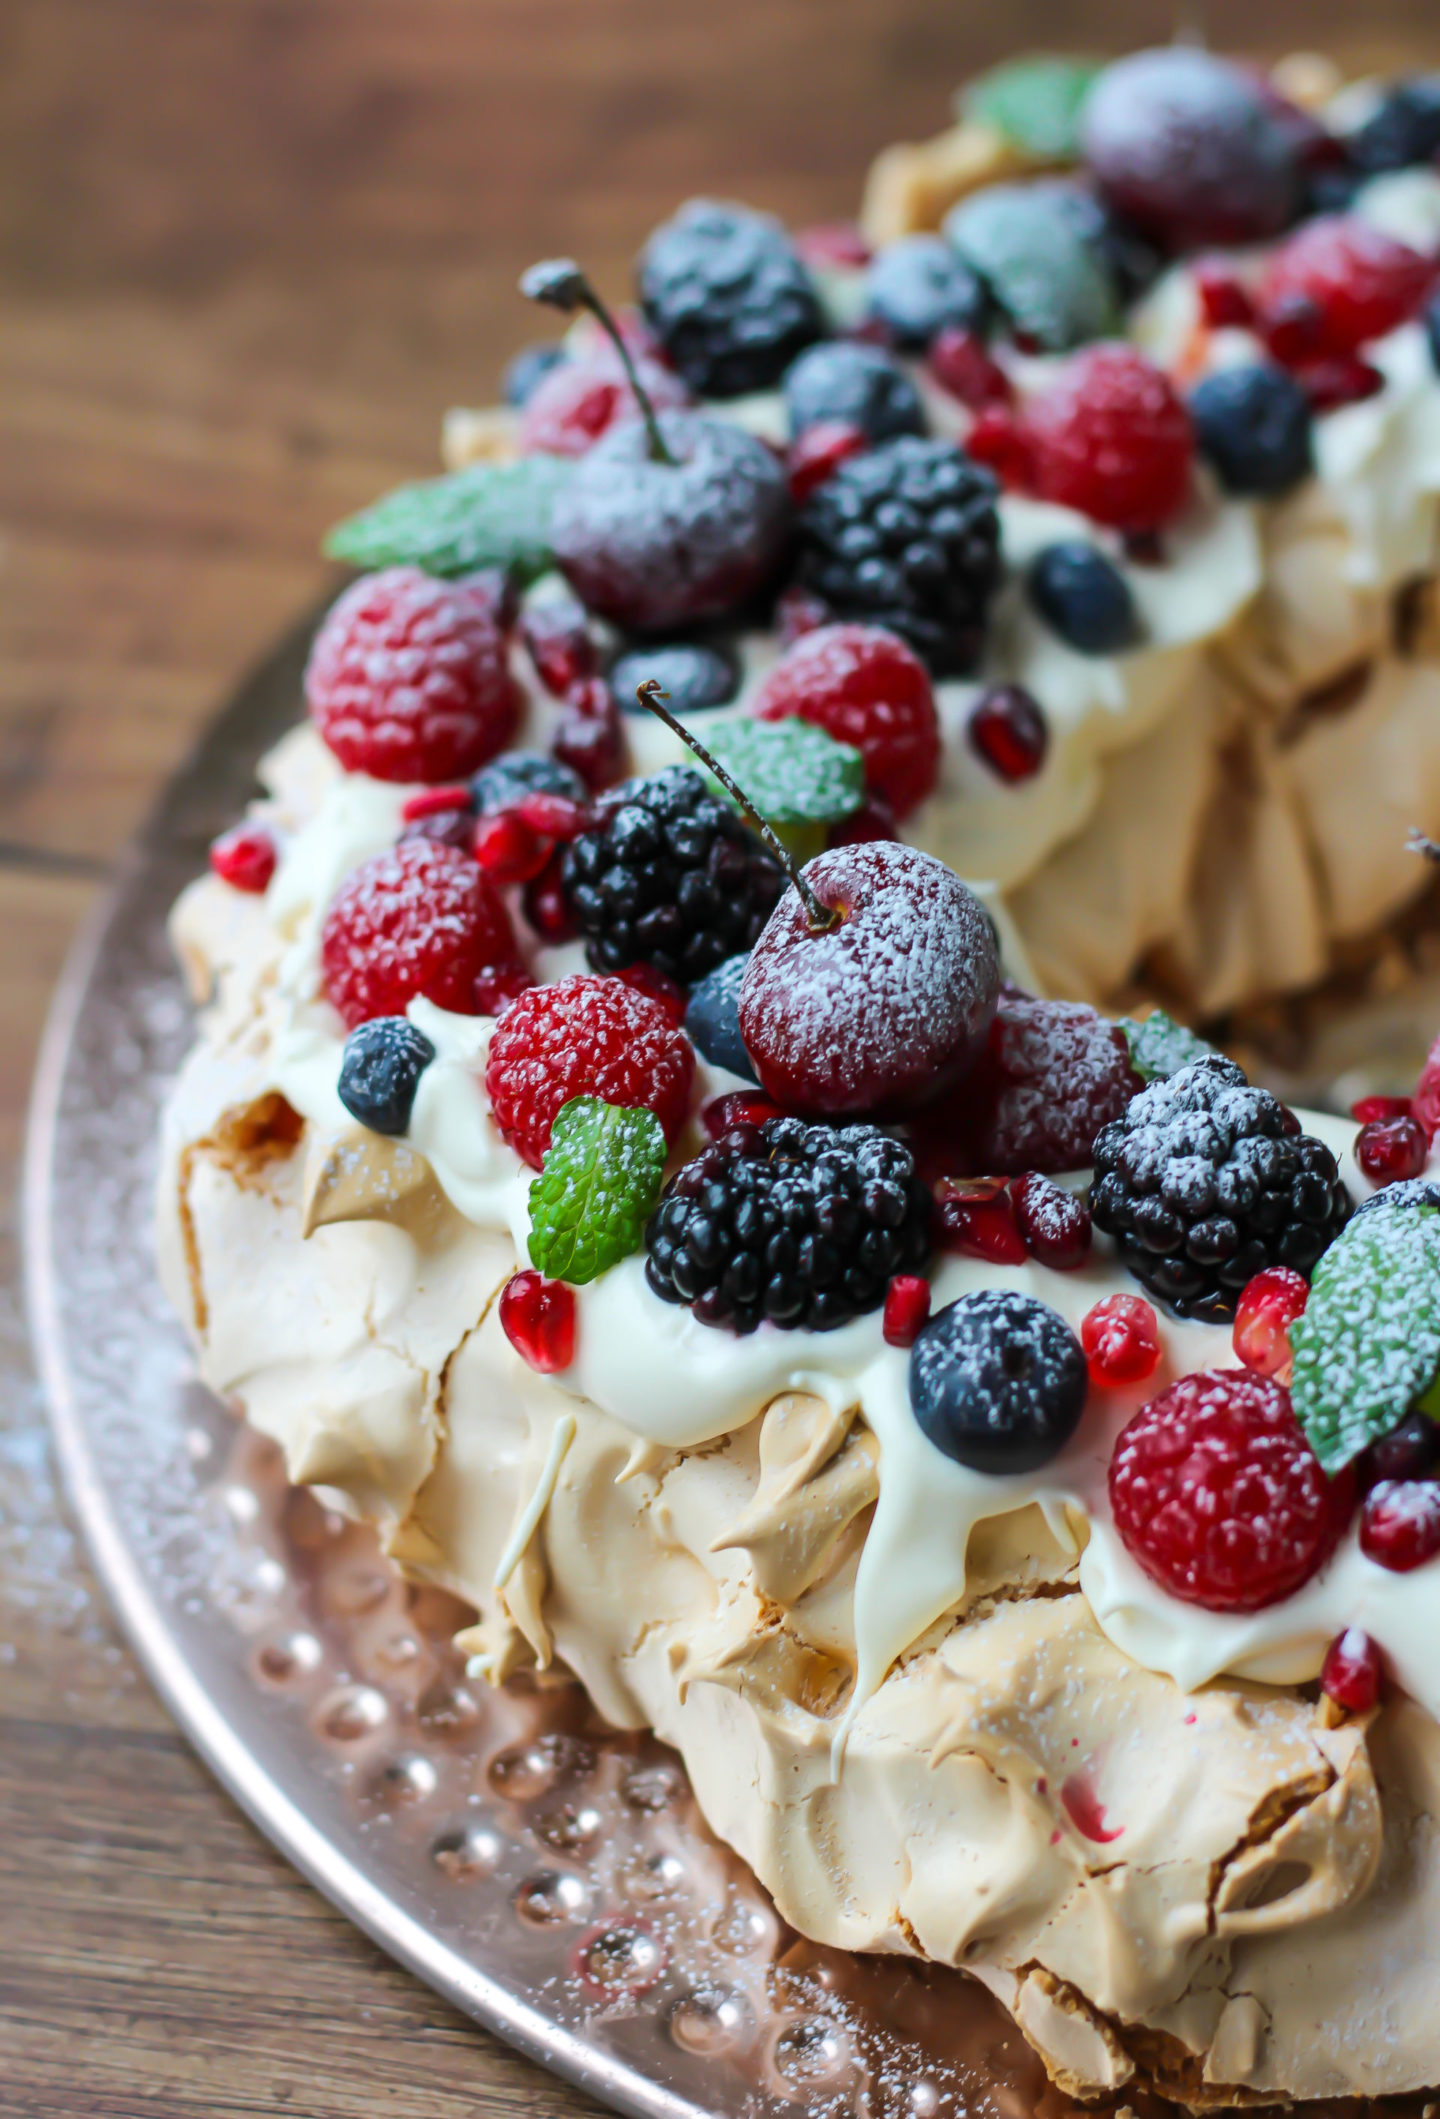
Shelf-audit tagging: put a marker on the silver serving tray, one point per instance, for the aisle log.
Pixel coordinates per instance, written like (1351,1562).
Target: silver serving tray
(549,1876)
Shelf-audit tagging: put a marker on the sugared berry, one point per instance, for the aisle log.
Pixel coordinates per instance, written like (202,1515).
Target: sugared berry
(578,402)
(1389,1150)
(817,455)
(537,1316)
(1360,282)
(548,910)
(590,741)
(1338,379)
(245,857)
(907,1306)
(918,286)
(1400,1524)
(1411,1450)
(712,1017)
(874,819)
(799,611)
(1268,1306)
(380,1071)
(644,978)
(507,780)
(884,1008)
(727,296)
(857,385)
(526,372)
(997,1381)
(1217,1494)
(975,1217)
(508,849)
(1054,1223)
(1007,729)
(585,1037)
(1110,438)
(738,1107)
(1121,1338)
(998,439)
(693,677)
(553,816)
(496,988)
(1367,1108)
(420,918)
(863,686)
(962,366)
(1223,296)
(1084,597)
(1353,1673)
(1402,131)
(1253,425)
(407,678)
(557,635)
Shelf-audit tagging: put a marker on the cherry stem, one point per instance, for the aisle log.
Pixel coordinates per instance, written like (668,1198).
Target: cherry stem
(819,918)
(561,283)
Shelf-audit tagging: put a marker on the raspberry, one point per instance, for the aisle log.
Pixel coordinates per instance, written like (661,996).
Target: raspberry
(865,687)
(1111,439)
(1400,1524)
(1008,730)
(1267,1308)
(419,918)
(1121,1338)
(497,988)
(1053,1223)
(1219,1497)
(1361,282)
(244,857)
(537,1316)
(907,1308)
(407,679)
(580,400)
(585,1037)
(1389,1150)
(1353,1674)
(644,978)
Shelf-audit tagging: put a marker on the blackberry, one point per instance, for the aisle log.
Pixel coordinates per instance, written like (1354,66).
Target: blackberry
(1206,1181)
(907,536)
(725,292)
(797,1225)
(669,876)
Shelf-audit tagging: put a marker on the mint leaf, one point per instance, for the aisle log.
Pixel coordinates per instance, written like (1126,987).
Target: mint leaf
(1160,1047)
(1034,102)
(594,1195)
(1035,252)
(488,515)
(1368,1344)
(793,772)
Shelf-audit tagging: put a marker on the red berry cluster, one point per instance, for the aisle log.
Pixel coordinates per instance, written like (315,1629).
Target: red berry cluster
(1008,1221)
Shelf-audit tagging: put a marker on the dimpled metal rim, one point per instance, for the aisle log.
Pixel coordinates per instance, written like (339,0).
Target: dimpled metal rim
(548,1875)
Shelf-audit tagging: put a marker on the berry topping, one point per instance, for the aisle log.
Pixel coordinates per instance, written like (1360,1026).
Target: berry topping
(1411,1450)
(380,1072)
(833,245)
(1358,282)
(1402,132)
(907,1307)
(725,293)
(885,1007)
(997,1381)
(1366,1109)
(975,1218)
(918,286)
(1400,1524)
(1389,1150)
(712,1017)
(508,849)
(670,876)
(526,372)
(1218,1495)
(961,366)
(558,638)
(1111,439)
(497,988)
(1352,1674)
(1425,1104)
(1007,729)
(644,978)
(1204,1183)
(1121,1338)
(1223,296)
(547,907)
(1340,379)
(693,678)
(420,918)
(1267,1308)
(585,1037)
(508,779)
(537,1316)
(803,1226)
(407,678)
(653,545)
(818,454)
(244,857)
(590,740)
(582,400)
(1253,425)
(1084,597)
(740,1107)
(863,686)
(857,385)
(907,536)
(1189,148)
(1054,1223)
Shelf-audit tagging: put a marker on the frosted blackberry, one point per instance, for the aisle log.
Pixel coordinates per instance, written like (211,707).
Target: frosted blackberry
(1206,1181)
(907,536)
(670,876)
(726,294)
(800,1226)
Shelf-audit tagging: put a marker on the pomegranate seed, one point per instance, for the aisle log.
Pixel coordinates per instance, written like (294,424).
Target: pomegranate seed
(434,802)
(560,645)
(497,987)
(1389,1150)
(832,243)
(644,978)
(1224,299)
(907,1306)
(245,857)
(961,365)
(1352,1674)
(1400,1524)
(1370,1108)
(1409,1451)
(590,739)
(547,907)
(507,849)
(997,439)
(537,1316)
(1294,329)
(1054,1223)
(975,1218)
(1268,1306)
(1425,1104)
(818,453)
(553,816)
(797,611)
(1340,380)
(741,1107)
(1009,732)
(1121,1338)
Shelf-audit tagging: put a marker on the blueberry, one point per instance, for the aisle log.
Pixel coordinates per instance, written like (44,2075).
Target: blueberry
(1432,330)
(531,365)
(997,1381)
(859,384)
(917,286)
(380,1072)
(1087,600)
(695,678)
(517,773)
(1403,131)
(1253,424)
(712,1017)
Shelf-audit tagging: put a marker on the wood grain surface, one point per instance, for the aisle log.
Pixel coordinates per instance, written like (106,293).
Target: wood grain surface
(249,251)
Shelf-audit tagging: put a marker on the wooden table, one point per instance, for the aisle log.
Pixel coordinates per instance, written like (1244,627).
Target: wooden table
(249,251)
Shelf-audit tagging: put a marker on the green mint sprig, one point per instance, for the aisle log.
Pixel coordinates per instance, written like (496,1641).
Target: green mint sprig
(488,515)
(1160,1047)
(793,772)
(1035,103)
(596,1190)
